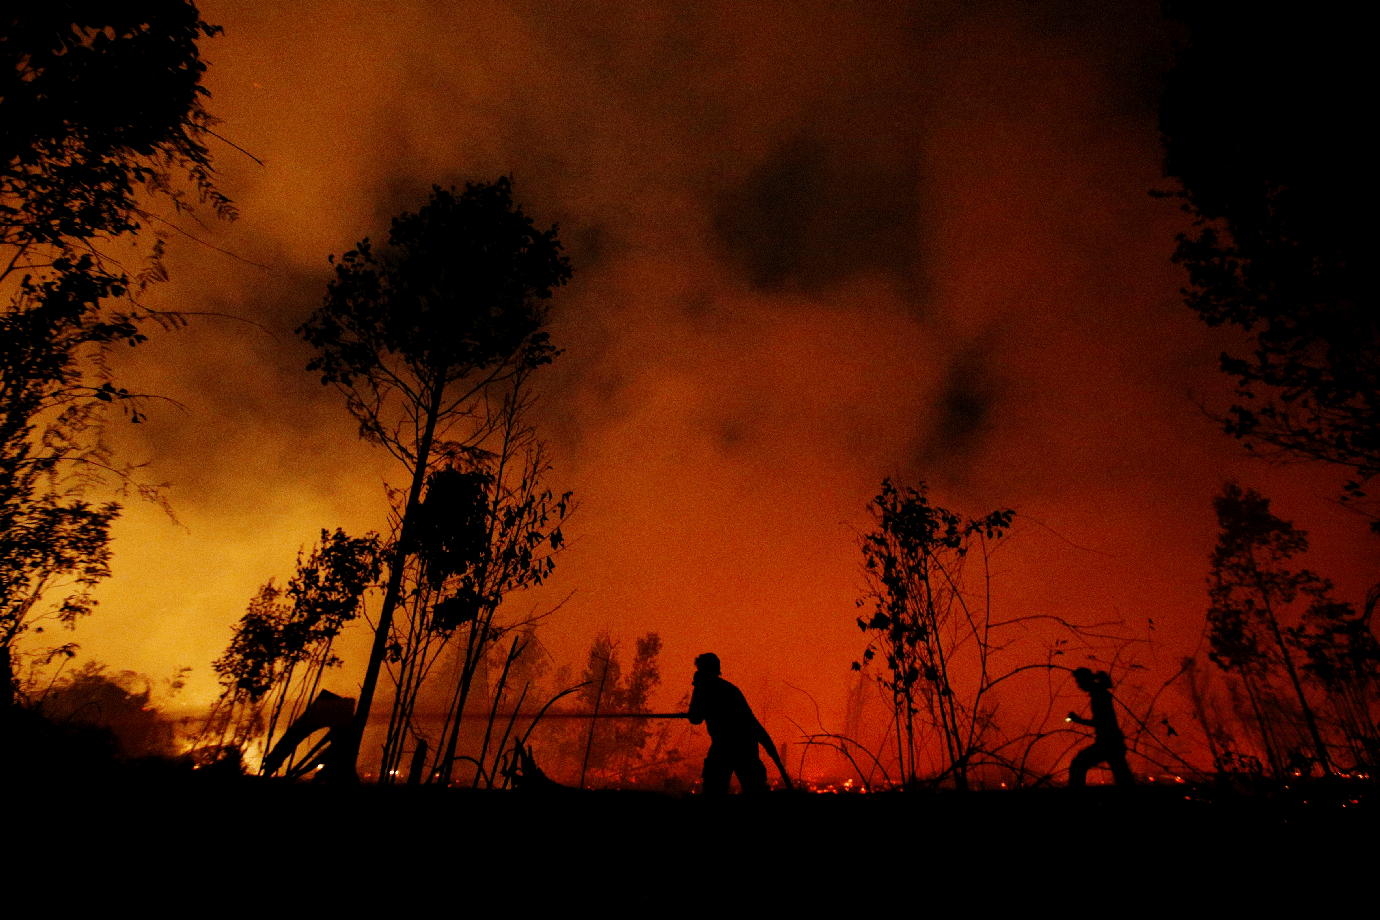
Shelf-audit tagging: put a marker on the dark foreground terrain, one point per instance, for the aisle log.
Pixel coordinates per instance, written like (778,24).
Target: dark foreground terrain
(264,848)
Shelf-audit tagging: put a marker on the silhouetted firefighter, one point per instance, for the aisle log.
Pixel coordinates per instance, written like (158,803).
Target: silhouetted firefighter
(734,732)
(1109,746)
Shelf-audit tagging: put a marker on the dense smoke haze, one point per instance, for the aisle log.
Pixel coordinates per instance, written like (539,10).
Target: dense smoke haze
(814,245)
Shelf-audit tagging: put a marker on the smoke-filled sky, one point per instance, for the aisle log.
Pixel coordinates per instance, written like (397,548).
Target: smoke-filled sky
(815,244)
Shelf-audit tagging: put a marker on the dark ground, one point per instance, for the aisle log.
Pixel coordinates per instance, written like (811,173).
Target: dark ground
(261,847)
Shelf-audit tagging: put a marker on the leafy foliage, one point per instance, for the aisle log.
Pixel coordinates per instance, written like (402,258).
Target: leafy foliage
(500,533)
(1342,656)
(1340,647)
(617,746)
(285,626)
(1252,588)
(285,640)
(431,343)
(452,528)
(52,541)
(457,298)
(118,703)
(101,110)
(1249,578)
(920,618)
(100,100)
(478,538)
(1274,181)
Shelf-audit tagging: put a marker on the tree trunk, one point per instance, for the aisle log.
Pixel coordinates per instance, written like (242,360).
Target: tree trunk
(1319,748)
(6,679)
(344,765)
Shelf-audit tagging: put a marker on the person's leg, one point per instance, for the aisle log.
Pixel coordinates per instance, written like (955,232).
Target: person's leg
(718,770)
(1120,771)
(1082,762)
(752,775)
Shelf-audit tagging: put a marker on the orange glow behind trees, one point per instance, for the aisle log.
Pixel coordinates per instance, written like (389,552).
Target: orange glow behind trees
(815,247)
(102,116)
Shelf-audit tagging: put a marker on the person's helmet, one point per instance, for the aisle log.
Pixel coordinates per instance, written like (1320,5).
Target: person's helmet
(708,663)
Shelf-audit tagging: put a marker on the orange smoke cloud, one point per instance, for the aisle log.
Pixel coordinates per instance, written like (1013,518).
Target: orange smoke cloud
(814,246)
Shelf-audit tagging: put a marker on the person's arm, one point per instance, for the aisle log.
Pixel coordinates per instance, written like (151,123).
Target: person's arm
(1075,717)
(695,715)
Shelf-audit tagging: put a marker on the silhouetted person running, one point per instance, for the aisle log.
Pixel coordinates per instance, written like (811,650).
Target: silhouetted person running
(734,732)
(1109,746)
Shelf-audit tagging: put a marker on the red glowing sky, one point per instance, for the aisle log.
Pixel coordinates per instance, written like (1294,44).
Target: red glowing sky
(815,245)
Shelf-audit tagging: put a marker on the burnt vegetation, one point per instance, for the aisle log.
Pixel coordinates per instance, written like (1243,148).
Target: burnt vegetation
(434,338)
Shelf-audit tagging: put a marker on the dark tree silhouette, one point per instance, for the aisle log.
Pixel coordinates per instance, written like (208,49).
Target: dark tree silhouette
(418,336)
(614,751)
(99,104)
(439,595)
(921,620)
(1263,129)
(285,640)
(121,703)
(1342,656)
(481,535)
(1252,588)
(286,626)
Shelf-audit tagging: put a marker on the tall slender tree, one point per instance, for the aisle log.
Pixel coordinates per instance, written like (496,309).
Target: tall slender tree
(1342,656)
(418,336)
(1252,588)
(522,535)
(921,620)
